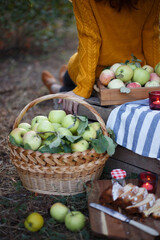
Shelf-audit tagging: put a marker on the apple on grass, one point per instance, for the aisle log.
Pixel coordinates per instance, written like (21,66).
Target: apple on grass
(124,73)
(31,140)
(45,128)
(75,221)
(106,76)
(56,116)
(34,222)
(38,119)
(80,146)
(71,122)
(141,76)
(17,135)
(89,133)
(58,211)
(25,125)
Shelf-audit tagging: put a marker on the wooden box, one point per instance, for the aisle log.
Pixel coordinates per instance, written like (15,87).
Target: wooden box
(115,97)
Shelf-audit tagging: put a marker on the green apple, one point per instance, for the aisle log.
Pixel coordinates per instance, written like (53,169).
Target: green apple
(32,140)
(80,146)
(25,125)
(132,65)
(124,73)
(38,119)
(89,133)
(17,134)
(157,69)
(95,125)
(58,211)
(45,128)
(71,122)
(34,222)
(34,128)
(56,126)
(75,221)
(64,131)
(141,76)
(115,83)
(56,116)
(148,68)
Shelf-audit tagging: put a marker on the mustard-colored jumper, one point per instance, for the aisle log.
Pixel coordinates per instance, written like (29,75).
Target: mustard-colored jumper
(107,37)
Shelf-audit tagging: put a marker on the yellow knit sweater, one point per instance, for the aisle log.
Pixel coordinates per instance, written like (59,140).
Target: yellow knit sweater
(107,36)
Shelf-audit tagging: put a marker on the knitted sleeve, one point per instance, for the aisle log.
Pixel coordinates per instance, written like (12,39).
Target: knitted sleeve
(151,35)
(88,49)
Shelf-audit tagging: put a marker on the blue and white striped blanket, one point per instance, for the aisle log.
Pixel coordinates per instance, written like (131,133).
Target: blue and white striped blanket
(137,128)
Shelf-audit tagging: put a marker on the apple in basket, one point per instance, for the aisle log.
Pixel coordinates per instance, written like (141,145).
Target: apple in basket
(45,128)
(95,125)
(58,211)
(25,125)
(71,122)
(80,146)
(56,116)
(89,133)
(31,140)
(124,73)
(38,119)
(16,135)
(64,131)
(75,221)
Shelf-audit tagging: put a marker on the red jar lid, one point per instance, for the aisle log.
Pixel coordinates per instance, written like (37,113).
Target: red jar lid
(118,173)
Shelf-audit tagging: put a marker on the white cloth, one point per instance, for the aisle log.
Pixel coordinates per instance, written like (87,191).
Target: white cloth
(137,128)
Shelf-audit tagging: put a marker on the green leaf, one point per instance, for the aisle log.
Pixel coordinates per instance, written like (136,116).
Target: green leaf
(47,149)
(127,61)
(111,146)
(99,144)
(67,148)
(82,125)
(13,142)
(72,138)
(111,134)
(27,146)
(56,142)
(125,90)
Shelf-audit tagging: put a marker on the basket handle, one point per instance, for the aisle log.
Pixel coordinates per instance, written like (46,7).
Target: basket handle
(62,96)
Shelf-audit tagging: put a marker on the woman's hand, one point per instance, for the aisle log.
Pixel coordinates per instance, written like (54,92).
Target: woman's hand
(68,105)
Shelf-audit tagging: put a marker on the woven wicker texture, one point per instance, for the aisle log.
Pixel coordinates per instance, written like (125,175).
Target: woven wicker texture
(57,174)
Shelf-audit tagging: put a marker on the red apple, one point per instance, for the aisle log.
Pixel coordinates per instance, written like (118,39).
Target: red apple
(154,77)
(105,76)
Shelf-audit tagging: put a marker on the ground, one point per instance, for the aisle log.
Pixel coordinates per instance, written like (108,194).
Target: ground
(20,83)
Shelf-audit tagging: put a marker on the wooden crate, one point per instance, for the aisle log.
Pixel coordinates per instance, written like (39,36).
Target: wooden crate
(115,97)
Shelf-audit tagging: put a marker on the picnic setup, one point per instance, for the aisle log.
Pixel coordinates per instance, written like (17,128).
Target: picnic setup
(65,154)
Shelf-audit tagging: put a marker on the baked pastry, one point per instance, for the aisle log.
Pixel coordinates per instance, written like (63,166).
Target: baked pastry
(154,210)
(129,191)
(110,194)
(142,205)
(142,194)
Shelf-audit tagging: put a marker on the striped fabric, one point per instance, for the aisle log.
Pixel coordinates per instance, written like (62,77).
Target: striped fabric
(137,128)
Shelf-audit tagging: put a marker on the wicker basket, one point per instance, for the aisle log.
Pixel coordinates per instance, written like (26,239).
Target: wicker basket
(57,174)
